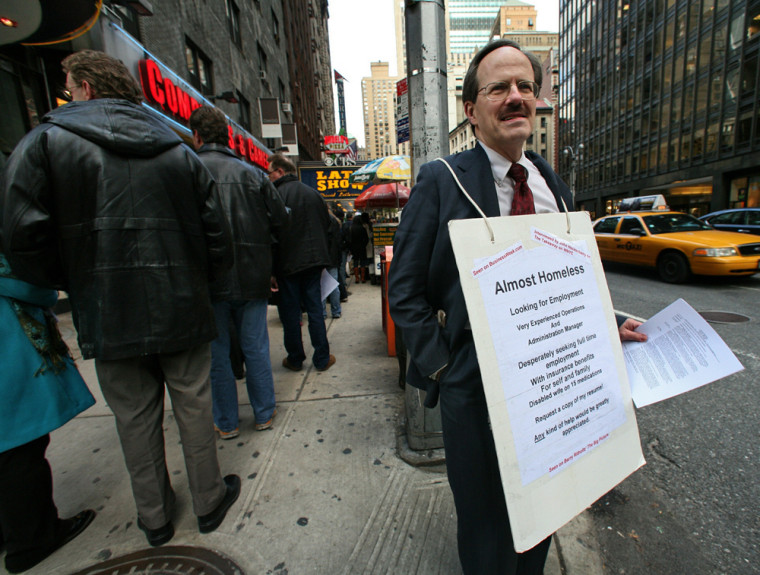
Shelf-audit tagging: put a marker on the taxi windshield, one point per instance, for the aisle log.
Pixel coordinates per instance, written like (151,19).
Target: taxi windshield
(671,223)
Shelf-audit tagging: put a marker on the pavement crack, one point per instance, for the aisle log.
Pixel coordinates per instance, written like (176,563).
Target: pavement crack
(656,448)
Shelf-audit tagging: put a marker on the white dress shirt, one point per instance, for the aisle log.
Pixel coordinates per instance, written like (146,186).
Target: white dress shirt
(543,198)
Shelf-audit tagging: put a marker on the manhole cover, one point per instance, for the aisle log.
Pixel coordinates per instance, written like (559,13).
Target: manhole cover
(723,317)
(178,560)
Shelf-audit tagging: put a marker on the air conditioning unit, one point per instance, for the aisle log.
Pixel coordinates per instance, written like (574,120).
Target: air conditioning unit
(263,76)
(286,107)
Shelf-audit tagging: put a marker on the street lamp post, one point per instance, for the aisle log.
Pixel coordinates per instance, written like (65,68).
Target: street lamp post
(574,156)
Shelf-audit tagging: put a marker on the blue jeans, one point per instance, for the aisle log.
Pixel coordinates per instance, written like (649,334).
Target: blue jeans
(303,287)
(333,298)
(250,318)
(342,274)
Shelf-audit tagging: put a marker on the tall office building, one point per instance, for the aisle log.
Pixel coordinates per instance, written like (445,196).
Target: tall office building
(660,96)
(379,101)
(470,21)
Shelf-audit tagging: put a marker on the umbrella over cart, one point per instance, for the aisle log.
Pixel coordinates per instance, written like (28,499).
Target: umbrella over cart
(389,195)
(387,169)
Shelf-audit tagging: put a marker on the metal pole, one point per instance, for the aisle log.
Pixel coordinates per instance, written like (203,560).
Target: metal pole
(426,62)
(429,137)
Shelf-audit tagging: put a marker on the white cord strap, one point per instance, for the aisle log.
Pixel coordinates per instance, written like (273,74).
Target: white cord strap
(477,207)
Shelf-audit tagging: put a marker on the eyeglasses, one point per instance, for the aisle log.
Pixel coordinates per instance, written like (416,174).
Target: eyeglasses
(68,92)
(498,91)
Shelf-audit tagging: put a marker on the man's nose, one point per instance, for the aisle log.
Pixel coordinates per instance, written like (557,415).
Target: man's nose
(513,96)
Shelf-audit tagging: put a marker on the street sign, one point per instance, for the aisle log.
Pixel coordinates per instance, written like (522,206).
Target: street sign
(402,111)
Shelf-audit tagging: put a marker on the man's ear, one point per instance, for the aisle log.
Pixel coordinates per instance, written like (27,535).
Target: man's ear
(87,90)
(469,109)
(197,140)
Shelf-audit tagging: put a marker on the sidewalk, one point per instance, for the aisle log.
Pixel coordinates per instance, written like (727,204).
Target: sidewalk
(323,491)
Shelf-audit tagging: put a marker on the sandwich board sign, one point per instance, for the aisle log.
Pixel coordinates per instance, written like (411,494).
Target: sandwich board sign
(552,365)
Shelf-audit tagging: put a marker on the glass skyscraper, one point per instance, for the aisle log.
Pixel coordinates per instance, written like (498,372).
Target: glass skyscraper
(660,96)
(470,23)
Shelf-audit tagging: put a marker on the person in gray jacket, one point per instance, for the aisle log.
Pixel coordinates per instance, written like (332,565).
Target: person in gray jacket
(256,214)
(104,201)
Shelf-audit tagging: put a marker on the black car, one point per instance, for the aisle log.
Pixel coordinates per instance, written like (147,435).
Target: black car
(745,220)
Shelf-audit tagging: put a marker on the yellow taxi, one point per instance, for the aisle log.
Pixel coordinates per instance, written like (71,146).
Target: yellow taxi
(676,244)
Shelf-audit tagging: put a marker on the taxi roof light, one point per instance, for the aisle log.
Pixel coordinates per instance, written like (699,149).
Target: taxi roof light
(652,203)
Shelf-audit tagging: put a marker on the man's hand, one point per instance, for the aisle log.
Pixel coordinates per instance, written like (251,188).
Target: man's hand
(627,331)
(273,284)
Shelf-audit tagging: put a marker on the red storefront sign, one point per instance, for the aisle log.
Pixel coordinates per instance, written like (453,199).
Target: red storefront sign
(337,145)
(178,104)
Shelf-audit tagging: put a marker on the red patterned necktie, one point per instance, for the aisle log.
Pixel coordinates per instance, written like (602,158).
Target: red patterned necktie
(522,201)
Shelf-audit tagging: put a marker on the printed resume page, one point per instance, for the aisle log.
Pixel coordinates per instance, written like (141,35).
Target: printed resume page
(682,353)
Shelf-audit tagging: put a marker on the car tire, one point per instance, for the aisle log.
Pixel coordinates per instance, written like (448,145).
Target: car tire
(673,268)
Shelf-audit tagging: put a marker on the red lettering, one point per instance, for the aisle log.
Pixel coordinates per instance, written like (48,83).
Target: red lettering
(183,103)
(240,145)
(152,82)
(250,152)
(171,96)
(231,136)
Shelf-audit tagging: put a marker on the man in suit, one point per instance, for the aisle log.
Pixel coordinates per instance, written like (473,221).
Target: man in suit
(427,303)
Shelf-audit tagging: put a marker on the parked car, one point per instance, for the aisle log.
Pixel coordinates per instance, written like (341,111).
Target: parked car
(676,244)
(744,220)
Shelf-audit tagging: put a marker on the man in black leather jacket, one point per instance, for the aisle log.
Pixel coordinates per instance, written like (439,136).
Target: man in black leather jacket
(104,201)
(302,255)
(255,212)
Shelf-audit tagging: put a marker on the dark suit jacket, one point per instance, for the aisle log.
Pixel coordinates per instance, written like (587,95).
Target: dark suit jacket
(423,277)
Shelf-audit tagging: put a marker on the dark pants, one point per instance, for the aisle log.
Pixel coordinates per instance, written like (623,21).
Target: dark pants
(28,515)
(295,289)
(483,532)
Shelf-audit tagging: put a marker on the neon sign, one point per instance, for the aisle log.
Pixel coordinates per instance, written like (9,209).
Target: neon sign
(178,104)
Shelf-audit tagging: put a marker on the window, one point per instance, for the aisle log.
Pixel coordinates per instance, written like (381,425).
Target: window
(233,18)
(244,111)
(631,226)
(262,60)
(199,68)
(606,226)
(275,27)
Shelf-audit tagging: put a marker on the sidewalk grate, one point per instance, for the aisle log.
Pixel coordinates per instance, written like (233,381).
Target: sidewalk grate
(723,317)
(176,560)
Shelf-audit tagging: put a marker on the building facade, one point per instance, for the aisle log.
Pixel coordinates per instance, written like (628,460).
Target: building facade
(661,97)
(470,22)
(379,103)
(224,46)
(233,54)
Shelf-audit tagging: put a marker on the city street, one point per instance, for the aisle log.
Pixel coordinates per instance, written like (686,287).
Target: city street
(693,509)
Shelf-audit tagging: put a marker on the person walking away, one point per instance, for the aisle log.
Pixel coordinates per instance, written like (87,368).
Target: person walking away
(343,244)
(41,390)
(369,250)
(359,241)
(333,240)
(255,214)
(104,201)
(302,255)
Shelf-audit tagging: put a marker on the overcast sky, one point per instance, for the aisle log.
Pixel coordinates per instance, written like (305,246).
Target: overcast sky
(363,31)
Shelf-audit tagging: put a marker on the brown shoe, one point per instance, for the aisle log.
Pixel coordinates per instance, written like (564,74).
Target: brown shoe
(330,363)
(290,366)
